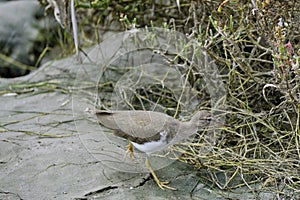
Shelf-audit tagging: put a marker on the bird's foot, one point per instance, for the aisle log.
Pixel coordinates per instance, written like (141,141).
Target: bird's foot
(164,184)
(130,151)
(161,184)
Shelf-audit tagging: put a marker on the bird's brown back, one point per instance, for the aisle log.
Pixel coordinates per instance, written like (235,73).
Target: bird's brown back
(137,124)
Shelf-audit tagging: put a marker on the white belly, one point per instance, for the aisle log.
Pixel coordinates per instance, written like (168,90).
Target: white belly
(151,147)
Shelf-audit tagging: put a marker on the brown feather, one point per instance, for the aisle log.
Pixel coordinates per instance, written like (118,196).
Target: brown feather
(138,126)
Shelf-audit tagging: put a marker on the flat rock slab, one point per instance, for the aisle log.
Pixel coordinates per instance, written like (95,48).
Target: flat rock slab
(42,155)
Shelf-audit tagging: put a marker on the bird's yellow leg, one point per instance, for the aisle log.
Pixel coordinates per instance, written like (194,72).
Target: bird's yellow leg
(130,151)
(161,184)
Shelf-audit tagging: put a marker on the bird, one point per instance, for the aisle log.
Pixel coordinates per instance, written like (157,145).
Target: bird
(150,131)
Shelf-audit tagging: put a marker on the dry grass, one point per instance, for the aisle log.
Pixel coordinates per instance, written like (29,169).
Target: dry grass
(257,50)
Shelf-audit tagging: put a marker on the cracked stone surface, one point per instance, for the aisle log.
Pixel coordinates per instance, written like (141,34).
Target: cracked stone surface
(42,155)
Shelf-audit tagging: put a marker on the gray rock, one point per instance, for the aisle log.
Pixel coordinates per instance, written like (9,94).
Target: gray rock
(20,24)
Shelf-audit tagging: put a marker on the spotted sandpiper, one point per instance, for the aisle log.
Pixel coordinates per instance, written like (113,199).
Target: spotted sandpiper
(150,131)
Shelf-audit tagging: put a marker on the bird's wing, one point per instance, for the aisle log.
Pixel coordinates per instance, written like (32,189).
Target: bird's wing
(141,124)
